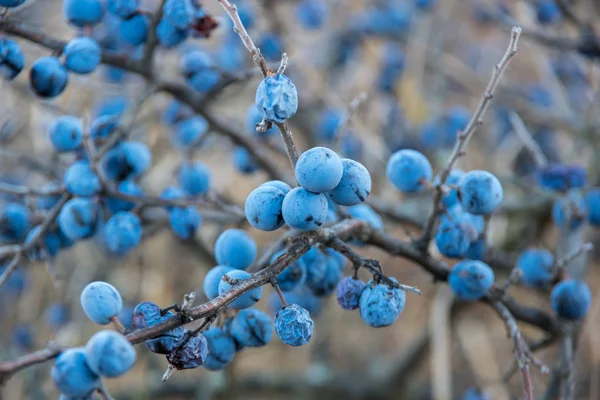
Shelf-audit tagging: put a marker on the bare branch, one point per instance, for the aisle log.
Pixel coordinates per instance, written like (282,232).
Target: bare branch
(530,144)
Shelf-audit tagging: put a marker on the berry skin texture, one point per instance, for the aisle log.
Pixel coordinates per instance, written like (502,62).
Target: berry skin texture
(293,325)
(122,232)
(284,187)
(122,8)
(212,280)
(221,348)
(480,192)
(13,61)
(304,210)
(82,55)
(252,328)
(128,187)
(80,180)
(235,248)
(592,199)
(535,266)
(14,221)
(66,133)
(195,178)
(147,314)
(277,98)
(408,169)
(571,210)
(134,30)
(245,300)
(561,177)
(79,218)
(100,302)
(191,355)
(179,13)
(71,374)
(184,221)
(319,170)
(48,77)
(316,267)
(263,208)
(83,12)
(169,36)
(109,354)
(348,293)
(381,305)
(453,238)
(470,280)
(188,132)
(292,276)
(571,299)
(243,161)
(355,185)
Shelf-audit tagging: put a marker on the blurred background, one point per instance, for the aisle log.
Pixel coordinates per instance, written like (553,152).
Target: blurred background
(423,66)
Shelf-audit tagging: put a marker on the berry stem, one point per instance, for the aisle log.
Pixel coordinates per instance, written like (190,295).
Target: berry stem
(284,303)
(118,325)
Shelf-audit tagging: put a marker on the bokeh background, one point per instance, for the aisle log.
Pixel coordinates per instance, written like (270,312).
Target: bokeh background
(438,348)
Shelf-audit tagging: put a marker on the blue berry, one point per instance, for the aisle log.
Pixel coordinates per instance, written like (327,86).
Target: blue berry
(451,198)
(126,316)
(271,46)
(536,267)
(48,77)
(134,29)
(11,3)
(122,232)
(13,61)
(79,218)
(474,394)
(71,374)
(293,325)
(15,221)
(284,187)
(254,117)
(245,300)
(351,146)
(425,5)
(103,126)
(172,193)
(80,180)
(263,208)
(328,124)
(47,202)
(188,132)
(547,12)
(235,248)
(277,98)
(66,133)
(571,299)
(457,214)
(316,267)
(109,354)
(184,221)
(381,305)
(348,293)
(480,192)
(355,185)
(127,160)
(179,13)
(332,274)
(57,315)
(100,302)
(252,328)
(304,210)
(148,314)
(212,280)
(127,187)
(175,112)
(301,295)
(477,250)
(319,170)
(393,66)
(83,12)
(592,199)
(292,276)
(194,178)
(122,8)
(312,14)
(570,211)
(408,170)
(561,177)
(145,315)
(470,280)
(221,348)
(456,120)
(168,35)
(454,237)
(191,355)
(82,55)
(243,161)
(22,337)
(48,245)
(199,70)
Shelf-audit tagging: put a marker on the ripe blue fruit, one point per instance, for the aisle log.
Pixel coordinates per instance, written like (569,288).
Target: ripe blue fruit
(11,3)
(227,328)
(271,46)
(547,12)
(561,177)
(292,276)
(457,214)
(571,299)
(592,199)
(221,348)
(188,132)
(251,328)
(191,355)
(179,13)
(235,248)
(122,232)
(454,237)
(284,187)
(380,305)
(199,69)
(171,193)
(113,105)
(127,160)
(57,315)
(319,170)
(301,295)
(128,187)
(22,336)
(328,124)
(82,55)
(15,221)
(66,133)
(83,12)
(13,61)
(245,300)
(536,267)
(254,117)
(471,279)
(100,302)
(122,8)
(79,218)
(263,208)
(393,61)
(48,77)
(80,180)
(425,5)
(477,250)
(304,210)
(293,325)
(408,170)
(351,146)
(312,14)
(175,112)
(184,221)
(331,276)
(48,245)
(451,197)
(168,35)
(71,374)
(134,29)
(194,177)
(316,267)
(355,185)
(480,192)
(277,98)
(109,354)
(570,211)
(212,280)
(474,394)
(148,314)
(348,292)
(102,126)
(243,161)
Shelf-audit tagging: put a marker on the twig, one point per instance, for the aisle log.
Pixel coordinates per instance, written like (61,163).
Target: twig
(288,141)
(275,285)
(566,260)
(118,325)
(530,144)
(347,118)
